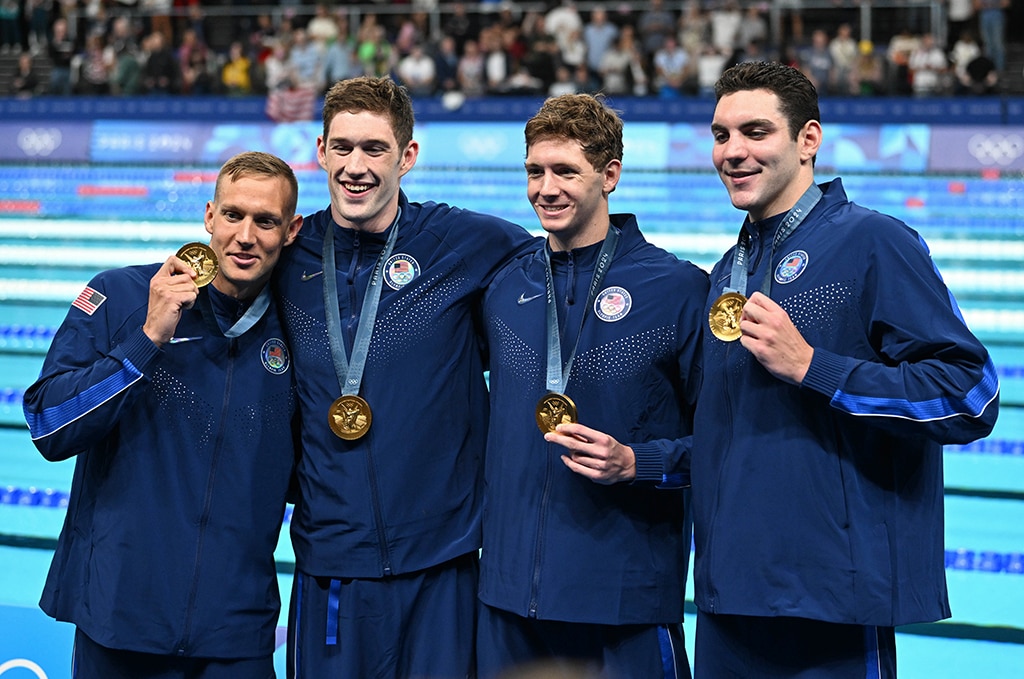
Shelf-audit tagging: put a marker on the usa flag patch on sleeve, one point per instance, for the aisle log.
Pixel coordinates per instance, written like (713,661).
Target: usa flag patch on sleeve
(89,301)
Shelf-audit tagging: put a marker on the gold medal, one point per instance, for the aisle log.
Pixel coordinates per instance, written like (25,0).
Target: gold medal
(554,409)
(724,317)
(349,417)
(202,259)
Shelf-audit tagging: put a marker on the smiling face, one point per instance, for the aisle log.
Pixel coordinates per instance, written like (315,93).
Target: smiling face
(762,166)
(250,220)
(568,194)
(364,164)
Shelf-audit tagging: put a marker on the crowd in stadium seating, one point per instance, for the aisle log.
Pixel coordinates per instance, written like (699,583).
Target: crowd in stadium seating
(98,47)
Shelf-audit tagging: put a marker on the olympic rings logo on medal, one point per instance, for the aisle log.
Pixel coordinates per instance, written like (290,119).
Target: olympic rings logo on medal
(39,141)
(612,304)
(400,270)
(275,356)
(995,148)
(791,266)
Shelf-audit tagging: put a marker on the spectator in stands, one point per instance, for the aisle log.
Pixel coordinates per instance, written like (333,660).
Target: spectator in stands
(563,83)
(460,26)
(496,63)
(340,60)
(446,64)
(843,49)
(92,74)
(753,26)
(10,27)
(710,64)
(471,71)
(981,77)
(694,28)
(196,78)
(959,18)
(25,83)
(928,67)
(236,77)
(794,11)
(622,68)
(418,72)
(277,69)
(673,70)
(191,41)
(160,74)
(992,23)
(123,38)
(898,54)
(542,53)
(599,34)
(194,64)
(323,27)
(61,50)
(562,20)
(157,15)
(263,37)
(572,50)
(374,52)
(305,60)
(654,25)
(816,62)
(38,15)
(965,50)
(411,31)
(867,78)
(126,78)
(725,20)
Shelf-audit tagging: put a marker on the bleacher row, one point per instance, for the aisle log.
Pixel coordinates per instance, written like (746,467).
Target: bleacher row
(972,224)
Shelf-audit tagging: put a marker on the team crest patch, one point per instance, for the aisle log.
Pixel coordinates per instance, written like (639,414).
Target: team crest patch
(612,304)
(275,356)
(400,270)
(791,266)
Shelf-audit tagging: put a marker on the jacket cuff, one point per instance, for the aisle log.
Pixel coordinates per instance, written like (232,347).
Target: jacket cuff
(826,372)
(137,349)
(649,463)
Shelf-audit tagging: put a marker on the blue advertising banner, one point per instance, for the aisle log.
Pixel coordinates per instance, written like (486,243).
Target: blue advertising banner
(45,141)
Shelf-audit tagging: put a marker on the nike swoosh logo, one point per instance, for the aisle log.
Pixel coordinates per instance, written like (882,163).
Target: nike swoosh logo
(309,276)
(523,299)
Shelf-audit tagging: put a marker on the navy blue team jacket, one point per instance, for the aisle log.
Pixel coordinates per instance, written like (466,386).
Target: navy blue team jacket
(825,500)
(558,546)
(184,455)
(405,496)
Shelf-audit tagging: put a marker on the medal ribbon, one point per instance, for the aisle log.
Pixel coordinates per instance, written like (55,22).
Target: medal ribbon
(250,318)
(792,220)
(557,376)
(350,376)
(253,314)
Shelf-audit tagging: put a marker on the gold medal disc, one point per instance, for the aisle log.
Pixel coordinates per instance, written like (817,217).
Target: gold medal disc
(202,259)
(724,317)
(349,417)
(554,409)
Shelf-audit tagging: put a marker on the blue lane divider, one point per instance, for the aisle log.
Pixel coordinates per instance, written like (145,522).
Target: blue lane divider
(33,497)
(26,334)
(989,447)
(984,561)
(48,497)
(11,397)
